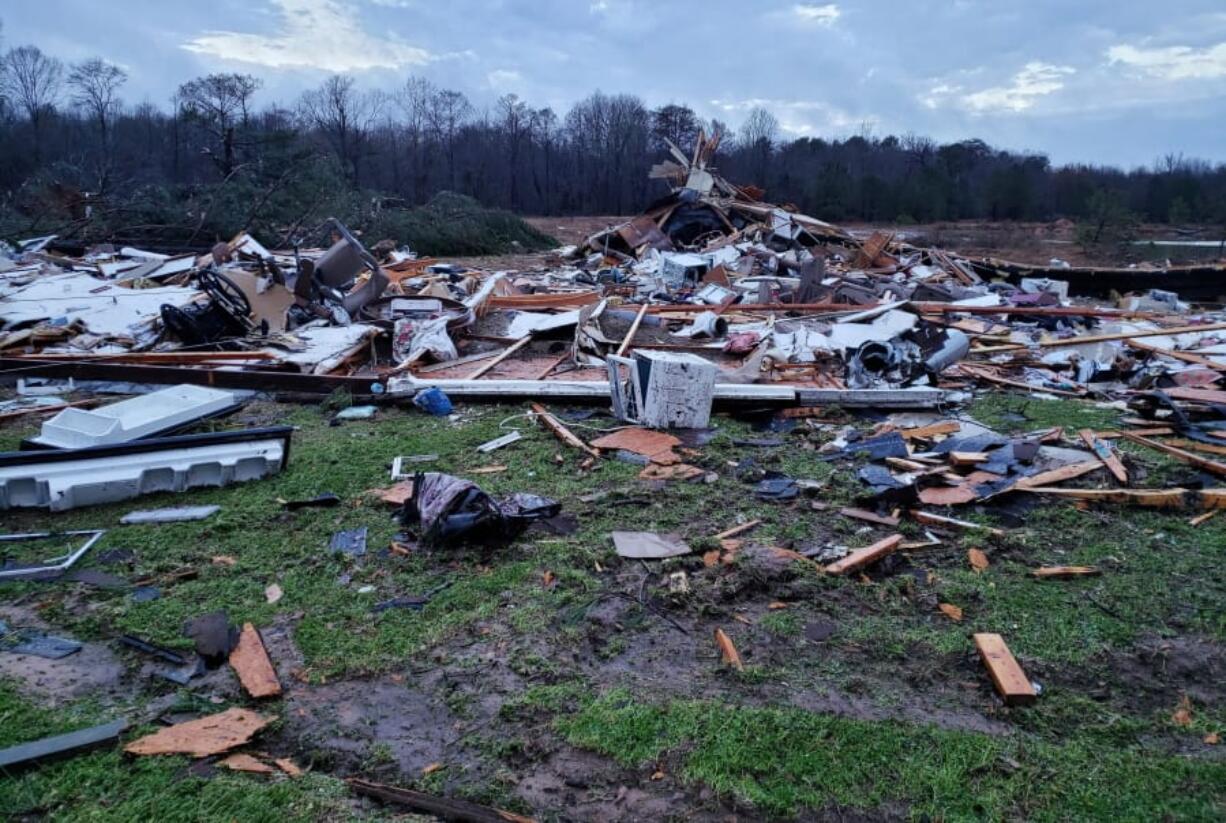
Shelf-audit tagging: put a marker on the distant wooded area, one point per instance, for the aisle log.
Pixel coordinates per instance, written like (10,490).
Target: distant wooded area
(76,158)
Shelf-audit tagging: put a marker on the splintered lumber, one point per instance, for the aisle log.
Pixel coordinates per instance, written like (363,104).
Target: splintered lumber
(207,736)
(1195,395)
(863,557)
(928,432)
(441,807)
(967,458)
(507,352)
(1104,453)
(634,329)
(561,432)
(1195,445)
(1011,682)
(245,763)
(869,517)
(727,651)
(736,530)
(1203,518)
(1203,499)
(1059,475)
(1063,572)
(1129,335)
(1196,460)
(993,377)
(930,519)
(16,758)
(1187,357)
(250,662)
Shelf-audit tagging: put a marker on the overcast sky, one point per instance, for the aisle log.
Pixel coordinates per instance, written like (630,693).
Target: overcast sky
(1101,81)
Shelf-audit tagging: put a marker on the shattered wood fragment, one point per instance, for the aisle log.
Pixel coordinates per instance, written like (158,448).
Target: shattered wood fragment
(863,557)
(1059,475)
(977,559)
(245,763)
(736,531)
(727,651)
(207,736)
(396,495)
(655,445)
(1202,518)
(967,458)
(442,807)
(634,328)
(870,517)
(1064,572)
(250,662)
(1011,682)
(951,611)
(510,350)
(1204,463)
(288,766)
(561,432)
(680,471)
(931,431)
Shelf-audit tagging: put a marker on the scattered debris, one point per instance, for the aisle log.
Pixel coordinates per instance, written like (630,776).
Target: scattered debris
(15,759)
(649,545)
(215,734)
(442,807)
(178,514)
(351,543)
(1007,675)
(727,651)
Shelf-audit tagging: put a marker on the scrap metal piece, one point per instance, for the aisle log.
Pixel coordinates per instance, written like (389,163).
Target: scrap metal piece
(51,567)
(178,514)
(60,746)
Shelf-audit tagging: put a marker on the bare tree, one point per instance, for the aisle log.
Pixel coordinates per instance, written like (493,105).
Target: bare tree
(676,124)
(95,85)
(413,100)
(344,115)
(449,111)
(32,81)
(759,127)
(219,104)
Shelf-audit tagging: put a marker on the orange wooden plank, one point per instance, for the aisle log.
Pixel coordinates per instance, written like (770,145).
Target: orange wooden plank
(250,662)
(1104,453)
(1011,682)
(863,557)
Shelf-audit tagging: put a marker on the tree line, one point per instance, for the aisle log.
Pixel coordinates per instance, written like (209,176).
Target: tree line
(211,159)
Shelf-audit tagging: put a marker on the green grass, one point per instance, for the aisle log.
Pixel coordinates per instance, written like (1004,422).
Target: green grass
(1081,757)
(782,760)
(106,785)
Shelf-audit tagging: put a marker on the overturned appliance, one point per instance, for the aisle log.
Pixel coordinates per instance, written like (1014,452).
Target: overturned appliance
(451,511)
(665,390)
(223,318)
(69,478)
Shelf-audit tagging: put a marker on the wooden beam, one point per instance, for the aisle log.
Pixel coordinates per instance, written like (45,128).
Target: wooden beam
(507,352)
(736,530)
(1064,572)
(442,807)
(870,517)
(1105,338)
(1105,454)
(1010,681)
(1186,357)
(634,328)
(1203,499)
(1196,460)
(930,519)
(561,432)
(928,432)
(968,458)
(1059,475)
(863,557)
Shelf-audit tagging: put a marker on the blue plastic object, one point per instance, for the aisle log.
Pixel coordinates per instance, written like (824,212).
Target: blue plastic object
(433,401)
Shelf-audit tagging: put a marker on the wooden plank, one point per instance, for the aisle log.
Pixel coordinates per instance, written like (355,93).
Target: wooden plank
(1105,454)
(634,328)
(1064,572)
(441,807)
(507,352)
(1203,499)
(60,746)
(968,458)
(553,364)
(992,377)
(1011,682)
(250,662)
(1196,395)
(1104,338)
(561,432)
(736,530)
(863,557)
(1196,460)
(928,432)
(870,517)
(1059,475)
(1202,518)
(1186,357)
(1195,445)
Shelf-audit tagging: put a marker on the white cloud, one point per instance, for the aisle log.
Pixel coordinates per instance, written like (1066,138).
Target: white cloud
(598,7)
(1036,80)
(315,34)
(1173,62)
(504,79)
(797,117)
(825,15)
